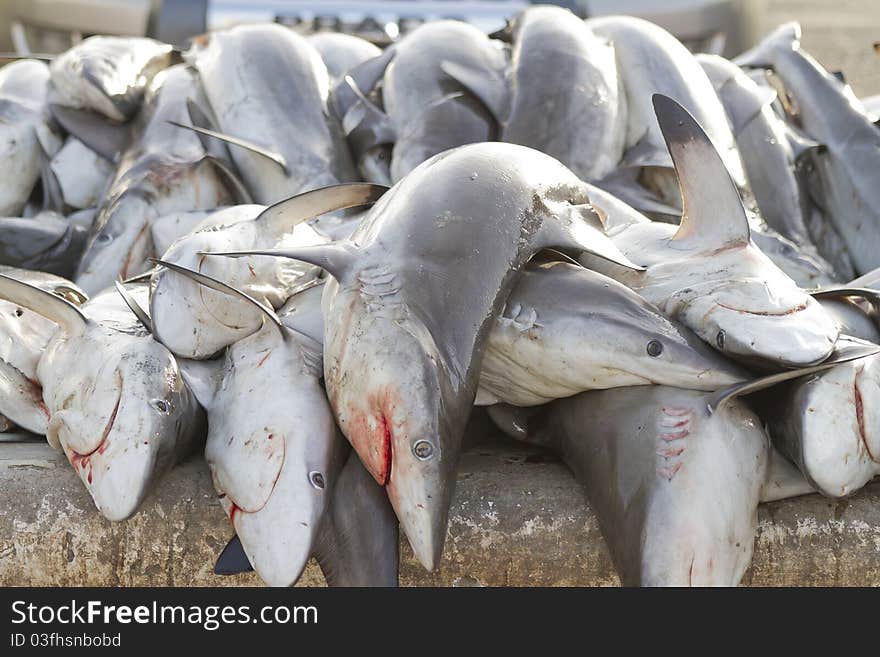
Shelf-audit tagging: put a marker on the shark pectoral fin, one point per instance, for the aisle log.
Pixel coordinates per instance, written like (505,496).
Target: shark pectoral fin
(359,80)
(202,377)
(103,136)
(233,183)
(337,258)
(134,306)
(366,126)
(233,560)
(645,153)
(220,286)
(67,315)
(846,349)
(486,86)
(282,217)
(713,214)
(579,236)
(275,157)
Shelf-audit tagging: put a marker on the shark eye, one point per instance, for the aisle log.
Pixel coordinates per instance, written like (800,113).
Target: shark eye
(719,340)
(104,238)
(655,348)
(423,450)
(317,479)
(162,405)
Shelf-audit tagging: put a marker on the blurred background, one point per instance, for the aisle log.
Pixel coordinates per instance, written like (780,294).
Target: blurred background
(840,33)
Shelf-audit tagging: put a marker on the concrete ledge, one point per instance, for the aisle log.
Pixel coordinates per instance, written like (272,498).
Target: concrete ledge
(518,519)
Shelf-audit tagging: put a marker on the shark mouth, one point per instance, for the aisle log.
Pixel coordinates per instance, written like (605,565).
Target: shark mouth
(765,313)
(81,461)
(860,416)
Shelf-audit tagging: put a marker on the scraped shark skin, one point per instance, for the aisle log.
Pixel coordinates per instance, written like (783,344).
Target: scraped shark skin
(48,242)
(566,329)
(651,61)
(194,322)
(829,425)
(269,85)
(121,414)
(24,335)
(566,98)
(410,303)
(165,170)
(108,75)
(342,52)
(25,137)
(707,273)
(830,114)
(675,489)
(271,468)
(426,105)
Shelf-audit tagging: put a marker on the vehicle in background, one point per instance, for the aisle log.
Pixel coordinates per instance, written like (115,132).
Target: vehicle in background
(48,26)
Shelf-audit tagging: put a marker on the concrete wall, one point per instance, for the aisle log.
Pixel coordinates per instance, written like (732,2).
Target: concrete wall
(518,519)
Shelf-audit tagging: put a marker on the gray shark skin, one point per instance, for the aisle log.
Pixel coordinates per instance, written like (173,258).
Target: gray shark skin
(24,335)
(565,330)
(707,273)
(194,322)
(268,85)
(122,415)
(48,243)
(108,75)
(566,98)
(770,149)
(26,140)
(675,488)
(830,114)
(81,174)
(412,298)
(425,104)
(650,60)
(342,52)
(828,424)
(164,170)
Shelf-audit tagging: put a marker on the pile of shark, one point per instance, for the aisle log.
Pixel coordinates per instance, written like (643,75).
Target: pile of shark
(311,259)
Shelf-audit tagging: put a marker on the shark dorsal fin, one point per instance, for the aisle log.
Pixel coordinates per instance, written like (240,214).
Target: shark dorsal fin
(846,349)
(713,215)
(107,138)
(285,215)
(220,286)
(337,258)
(68,316)
(134,306)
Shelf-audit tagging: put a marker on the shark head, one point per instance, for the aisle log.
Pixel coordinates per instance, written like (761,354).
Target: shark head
(395,413)
(124,415)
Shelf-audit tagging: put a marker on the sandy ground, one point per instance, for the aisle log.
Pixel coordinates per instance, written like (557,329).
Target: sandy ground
(839,33)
